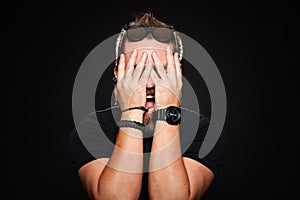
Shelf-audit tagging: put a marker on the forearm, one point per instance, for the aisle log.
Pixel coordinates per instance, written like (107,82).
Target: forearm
(168,177)
(122,177)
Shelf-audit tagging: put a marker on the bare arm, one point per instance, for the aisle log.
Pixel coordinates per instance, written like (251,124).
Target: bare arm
(172,176)
(168,177)
(121,178)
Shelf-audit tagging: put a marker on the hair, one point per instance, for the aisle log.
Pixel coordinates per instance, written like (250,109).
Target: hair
(144,19)
(148,20)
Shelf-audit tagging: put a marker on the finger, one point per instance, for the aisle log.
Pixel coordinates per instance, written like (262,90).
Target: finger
(140,67)
(159,66)
(177,65)
(171,69)
(170,57)
(155,78)
(147,72)
(121,67)
(131,62)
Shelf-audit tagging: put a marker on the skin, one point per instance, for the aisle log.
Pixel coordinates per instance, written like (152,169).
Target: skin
(182,178)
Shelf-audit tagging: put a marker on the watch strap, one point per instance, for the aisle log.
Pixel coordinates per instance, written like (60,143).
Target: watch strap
(161,114)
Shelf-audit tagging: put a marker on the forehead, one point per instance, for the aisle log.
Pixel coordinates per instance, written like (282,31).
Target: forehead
(146,43)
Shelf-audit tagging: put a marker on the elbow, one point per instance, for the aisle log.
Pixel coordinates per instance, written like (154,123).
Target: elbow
(186,194)
(171,192)
(183,193)
(113,191)
(100,195)
(101,191)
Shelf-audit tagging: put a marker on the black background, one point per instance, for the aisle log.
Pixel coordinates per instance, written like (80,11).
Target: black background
(46,43)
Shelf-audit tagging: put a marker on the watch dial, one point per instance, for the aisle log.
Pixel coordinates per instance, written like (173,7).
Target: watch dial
(173,115)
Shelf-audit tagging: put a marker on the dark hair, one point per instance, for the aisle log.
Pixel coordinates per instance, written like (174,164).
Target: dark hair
(147,20)
(143,19)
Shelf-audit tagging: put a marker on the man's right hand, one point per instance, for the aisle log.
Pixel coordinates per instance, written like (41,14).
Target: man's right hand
(132,80)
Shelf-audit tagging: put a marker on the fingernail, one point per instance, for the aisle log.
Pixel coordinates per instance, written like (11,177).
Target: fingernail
(168,49)
(144,55)
(154,53)
(134,51)
(176,55)
(122,56)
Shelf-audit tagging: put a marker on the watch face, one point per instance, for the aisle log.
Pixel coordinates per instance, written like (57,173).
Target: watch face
(173,115)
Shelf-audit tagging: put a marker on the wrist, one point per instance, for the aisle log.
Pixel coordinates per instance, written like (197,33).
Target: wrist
(170,115)
(133,115)
(164,129)
(165,105)
(134,126)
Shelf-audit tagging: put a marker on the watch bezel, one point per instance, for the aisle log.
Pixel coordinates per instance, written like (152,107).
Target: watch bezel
(173,121)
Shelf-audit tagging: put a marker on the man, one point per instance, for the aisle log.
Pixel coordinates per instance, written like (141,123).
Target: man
(149,128)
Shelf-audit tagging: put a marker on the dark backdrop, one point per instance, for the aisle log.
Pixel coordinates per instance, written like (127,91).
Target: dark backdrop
(45,45)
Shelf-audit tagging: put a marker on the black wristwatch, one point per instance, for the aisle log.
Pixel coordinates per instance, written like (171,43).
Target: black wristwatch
(171,114)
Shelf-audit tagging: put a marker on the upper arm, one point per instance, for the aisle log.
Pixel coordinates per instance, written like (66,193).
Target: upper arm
(90,173)
(200,177)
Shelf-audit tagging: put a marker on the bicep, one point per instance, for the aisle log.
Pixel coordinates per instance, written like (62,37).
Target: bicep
(90,173)
(200,177)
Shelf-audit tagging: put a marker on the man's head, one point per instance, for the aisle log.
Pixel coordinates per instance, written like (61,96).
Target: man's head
(147,34)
